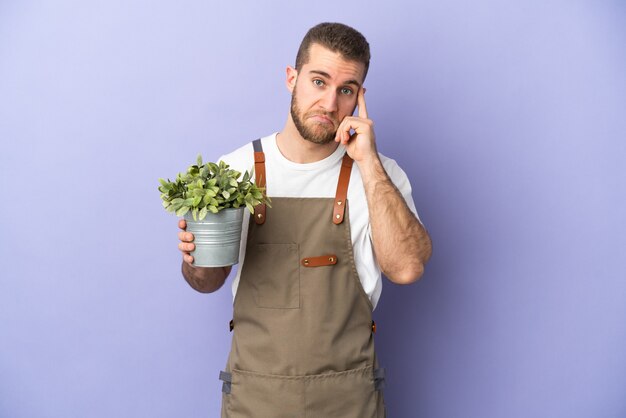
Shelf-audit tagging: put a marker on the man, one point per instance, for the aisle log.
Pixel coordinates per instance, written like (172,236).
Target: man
(310,269)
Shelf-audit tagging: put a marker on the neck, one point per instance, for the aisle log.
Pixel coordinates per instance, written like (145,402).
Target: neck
(299,150)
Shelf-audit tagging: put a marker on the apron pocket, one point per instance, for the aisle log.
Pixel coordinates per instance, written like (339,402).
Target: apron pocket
(349,394)
(260,395)
(273,287)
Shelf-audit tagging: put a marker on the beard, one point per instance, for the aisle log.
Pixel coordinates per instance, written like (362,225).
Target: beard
(318,133)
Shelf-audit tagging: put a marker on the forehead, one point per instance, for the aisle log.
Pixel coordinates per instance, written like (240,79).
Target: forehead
(322,59)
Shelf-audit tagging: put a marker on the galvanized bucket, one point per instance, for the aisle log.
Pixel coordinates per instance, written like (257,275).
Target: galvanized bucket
(217,237)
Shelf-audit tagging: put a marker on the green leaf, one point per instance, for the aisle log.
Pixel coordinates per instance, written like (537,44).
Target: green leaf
(213,209)
(182,211)
(226,194)
(203,213)
(199,160)
(177,203)
(195,214)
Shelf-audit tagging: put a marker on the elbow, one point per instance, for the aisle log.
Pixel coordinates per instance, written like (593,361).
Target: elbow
(407,275)
(412,270)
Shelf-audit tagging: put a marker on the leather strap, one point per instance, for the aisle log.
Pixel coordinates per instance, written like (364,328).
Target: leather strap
(322,260)
(342,189)
(259,179)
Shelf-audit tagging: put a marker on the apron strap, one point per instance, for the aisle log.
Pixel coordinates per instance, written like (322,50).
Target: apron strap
(259,179)
(340,196)
(342,189)
(227,379)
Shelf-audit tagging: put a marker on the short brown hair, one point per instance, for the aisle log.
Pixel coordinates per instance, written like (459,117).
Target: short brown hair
(337,37)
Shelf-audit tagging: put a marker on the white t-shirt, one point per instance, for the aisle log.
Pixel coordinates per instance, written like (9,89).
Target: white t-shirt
(319,179)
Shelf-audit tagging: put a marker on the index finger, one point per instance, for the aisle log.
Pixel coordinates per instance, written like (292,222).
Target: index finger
(361,103)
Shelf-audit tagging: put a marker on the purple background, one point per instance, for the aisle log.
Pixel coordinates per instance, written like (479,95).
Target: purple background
(509,118)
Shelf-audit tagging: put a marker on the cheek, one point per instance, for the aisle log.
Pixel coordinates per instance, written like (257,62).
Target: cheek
(348,105)
(307,99)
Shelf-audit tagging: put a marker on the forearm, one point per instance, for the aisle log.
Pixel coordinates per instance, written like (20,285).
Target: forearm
(205,279)
(401,244)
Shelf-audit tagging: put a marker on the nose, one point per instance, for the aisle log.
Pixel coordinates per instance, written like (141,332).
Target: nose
(329,100)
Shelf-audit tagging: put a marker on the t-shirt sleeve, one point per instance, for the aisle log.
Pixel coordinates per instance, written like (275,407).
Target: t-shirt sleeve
(241,159)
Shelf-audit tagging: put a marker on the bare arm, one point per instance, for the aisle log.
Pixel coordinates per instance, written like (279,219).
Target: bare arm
(202,279)
(401,243)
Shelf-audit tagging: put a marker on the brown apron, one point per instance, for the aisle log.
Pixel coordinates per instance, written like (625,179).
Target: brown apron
(303,343)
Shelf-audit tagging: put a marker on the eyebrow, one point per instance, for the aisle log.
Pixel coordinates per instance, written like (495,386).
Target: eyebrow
(325,74)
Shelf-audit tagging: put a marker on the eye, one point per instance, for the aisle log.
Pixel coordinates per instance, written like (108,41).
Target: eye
(346,91)
(318,82)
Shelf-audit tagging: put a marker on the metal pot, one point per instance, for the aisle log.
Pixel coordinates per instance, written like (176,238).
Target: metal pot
(217,237)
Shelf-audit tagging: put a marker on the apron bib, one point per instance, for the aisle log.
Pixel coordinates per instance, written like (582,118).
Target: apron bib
(303,343)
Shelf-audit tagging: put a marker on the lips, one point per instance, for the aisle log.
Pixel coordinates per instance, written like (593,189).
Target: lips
(322,119)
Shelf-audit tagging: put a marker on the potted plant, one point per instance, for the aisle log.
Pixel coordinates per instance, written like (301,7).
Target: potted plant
(212,199)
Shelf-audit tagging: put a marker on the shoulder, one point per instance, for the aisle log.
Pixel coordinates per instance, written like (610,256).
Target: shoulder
(242,158)
(238,158)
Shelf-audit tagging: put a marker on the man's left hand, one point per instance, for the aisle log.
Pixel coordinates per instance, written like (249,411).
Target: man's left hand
(361,145)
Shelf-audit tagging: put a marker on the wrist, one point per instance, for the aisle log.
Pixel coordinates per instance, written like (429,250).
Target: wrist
(371,168)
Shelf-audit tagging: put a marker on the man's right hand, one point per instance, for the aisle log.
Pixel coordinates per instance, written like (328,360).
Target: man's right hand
(186,245)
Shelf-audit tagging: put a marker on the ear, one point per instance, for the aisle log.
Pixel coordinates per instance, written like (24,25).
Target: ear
(292,76)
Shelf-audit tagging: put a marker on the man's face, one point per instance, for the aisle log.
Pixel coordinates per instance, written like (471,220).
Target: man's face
(324,92)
